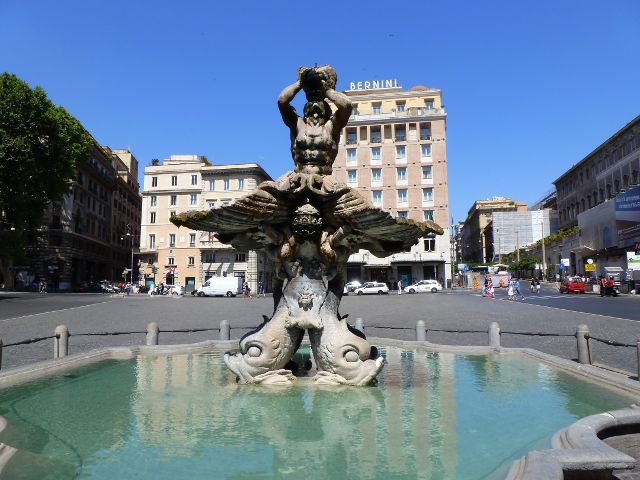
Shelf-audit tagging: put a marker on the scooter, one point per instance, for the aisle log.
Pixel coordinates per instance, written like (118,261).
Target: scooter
(611,291)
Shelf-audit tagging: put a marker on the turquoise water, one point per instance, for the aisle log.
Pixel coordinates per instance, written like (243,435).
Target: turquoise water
(431,416)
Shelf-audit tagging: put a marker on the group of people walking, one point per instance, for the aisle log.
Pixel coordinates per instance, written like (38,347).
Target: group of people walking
(514,289)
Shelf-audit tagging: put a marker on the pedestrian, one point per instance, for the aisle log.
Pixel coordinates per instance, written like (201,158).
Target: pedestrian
(399,287)
(603,285)
(533,284)
(537,285)
(510,295)
(517,292)
(261,289)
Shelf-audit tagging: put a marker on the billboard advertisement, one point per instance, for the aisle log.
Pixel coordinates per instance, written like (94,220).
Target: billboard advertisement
(628,214)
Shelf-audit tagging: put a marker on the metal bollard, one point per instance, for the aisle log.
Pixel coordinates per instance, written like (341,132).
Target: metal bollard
(359,324)
(225,330)
(637,344)
(61,342)
(421,331)
(153,332)
(494,335)
(582,337)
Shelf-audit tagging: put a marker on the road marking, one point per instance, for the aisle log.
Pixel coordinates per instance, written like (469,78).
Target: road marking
(53,311)
(575,311)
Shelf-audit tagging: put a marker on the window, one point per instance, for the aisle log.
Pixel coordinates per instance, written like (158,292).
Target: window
(425,150)
(172,239)
(375,154)
(154,201)
(172,213)
(427,173)
(241,184)
(428,215)
(212,185)
(376,108)
(401,152)
(225,184)
(430,243)
(171,261)
(425,132)
(193,199)
(402,196)
(174,180)
(173,200)
(150,261)
(211,204)
(208,257)
(241,257)
(401,174)
(194,179)
(192,239)
(376,175)
(153,217)
(401,134)
(403,213)
(427,194)
(376,135)
(191,261)
(376,197)
(352,155)
(154,181)
(152,241)
(400,106)
(352,176)
(428,104)
(352,137)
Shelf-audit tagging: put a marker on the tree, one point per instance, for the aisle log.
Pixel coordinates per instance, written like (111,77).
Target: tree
(40,145)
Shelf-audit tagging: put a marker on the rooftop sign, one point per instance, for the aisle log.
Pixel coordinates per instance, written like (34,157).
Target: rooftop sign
(373,84)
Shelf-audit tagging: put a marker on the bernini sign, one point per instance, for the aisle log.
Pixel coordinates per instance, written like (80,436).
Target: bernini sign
(373,84)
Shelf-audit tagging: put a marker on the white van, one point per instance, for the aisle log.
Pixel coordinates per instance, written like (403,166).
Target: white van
(221,286)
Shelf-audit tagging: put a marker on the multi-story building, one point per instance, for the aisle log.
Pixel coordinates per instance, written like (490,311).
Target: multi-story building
(126,213)
(511,231)
(599,201)
(393,151)
(178,255)
(79,246)
(477,234)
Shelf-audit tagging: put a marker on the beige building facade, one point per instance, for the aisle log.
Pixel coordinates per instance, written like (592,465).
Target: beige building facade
(393,151)
(175,255)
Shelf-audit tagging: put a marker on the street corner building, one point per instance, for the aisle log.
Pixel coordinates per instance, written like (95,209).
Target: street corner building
(393,151)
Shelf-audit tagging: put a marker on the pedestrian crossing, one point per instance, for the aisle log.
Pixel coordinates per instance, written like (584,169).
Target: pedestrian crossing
(537,297)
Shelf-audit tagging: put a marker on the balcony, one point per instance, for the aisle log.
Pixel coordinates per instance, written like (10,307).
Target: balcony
(401,137)
(409,112)
(376,139)
(426,137)
(352,141)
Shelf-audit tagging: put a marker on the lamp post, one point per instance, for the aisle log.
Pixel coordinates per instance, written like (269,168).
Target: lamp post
(130,235)
(544,256)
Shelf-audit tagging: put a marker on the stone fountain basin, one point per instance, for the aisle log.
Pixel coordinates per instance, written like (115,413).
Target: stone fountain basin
(436,412)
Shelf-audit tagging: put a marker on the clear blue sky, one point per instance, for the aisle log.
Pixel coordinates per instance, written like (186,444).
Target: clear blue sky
(530,87)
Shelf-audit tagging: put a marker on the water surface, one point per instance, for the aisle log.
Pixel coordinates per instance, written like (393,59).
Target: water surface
(431,416)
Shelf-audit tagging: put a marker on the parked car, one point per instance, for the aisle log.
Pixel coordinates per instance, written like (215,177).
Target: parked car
(352,285)
(432,286)
(221,286)
(372,288)
(174,289)
(572,285)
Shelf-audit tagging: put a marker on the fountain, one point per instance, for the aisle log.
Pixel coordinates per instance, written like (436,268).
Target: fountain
(437,412)
(309,224)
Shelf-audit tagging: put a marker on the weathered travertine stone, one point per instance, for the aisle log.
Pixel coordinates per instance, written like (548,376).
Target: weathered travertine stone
(309,224)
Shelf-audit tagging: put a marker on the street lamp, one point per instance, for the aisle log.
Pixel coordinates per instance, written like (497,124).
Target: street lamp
(130,235)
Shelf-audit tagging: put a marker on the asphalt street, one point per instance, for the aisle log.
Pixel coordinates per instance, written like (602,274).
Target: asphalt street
(24,316)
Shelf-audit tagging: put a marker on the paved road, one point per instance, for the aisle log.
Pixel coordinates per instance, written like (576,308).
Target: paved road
(28,316)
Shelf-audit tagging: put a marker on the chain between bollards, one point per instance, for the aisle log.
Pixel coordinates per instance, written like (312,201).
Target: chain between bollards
(582,338)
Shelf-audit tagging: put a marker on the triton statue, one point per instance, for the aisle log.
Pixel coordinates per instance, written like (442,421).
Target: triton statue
(309,224)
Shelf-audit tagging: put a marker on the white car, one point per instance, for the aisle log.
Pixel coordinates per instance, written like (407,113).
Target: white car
(372,288)
(351,286)
(432,286)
